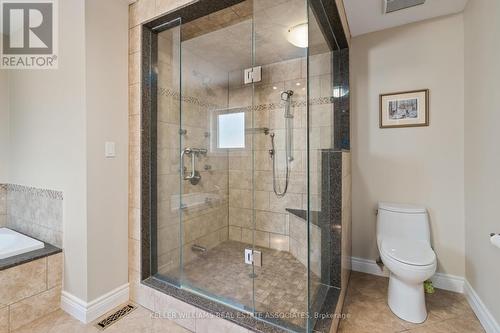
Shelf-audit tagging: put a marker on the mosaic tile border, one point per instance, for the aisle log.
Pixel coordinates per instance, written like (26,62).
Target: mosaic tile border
(165,92)
(38,192)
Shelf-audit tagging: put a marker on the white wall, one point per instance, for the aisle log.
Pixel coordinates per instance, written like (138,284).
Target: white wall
(107,120)
(48,133)
(4,125)
(59,121)
(422,165)
(482,149)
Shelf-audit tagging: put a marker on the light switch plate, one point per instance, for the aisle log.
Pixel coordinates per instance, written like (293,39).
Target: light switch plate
(110,150)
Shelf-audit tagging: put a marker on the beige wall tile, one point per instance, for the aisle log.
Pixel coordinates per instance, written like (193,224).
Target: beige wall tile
(23,281)
(134,197)
(135,99)
(235,233)
(261,238)
(134,226)
(241,217)
(165,6)
(55,266)
(134,254)
(134,71)
(134,130)
(270,222)
(32,308)
(141,11)
(291,200)
(262,200)
(279,242)
(4,320)
(141,294)
(298,229)
(134,44)
(240,198)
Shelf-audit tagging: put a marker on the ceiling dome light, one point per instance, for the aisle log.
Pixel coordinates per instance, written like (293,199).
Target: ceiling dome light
(297,35)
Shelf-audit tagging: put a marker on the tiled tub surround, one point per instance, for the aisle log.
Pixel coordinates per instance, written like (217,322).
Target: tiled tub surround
(34,212)
(30,291)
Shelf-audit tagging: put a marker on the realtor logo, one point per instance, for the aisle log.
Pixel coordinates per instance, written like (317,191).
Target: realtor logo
(29,39)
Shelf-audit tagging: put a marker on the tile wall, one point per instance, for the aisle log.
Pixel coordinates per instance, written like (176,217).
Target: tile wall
(298,241)
(264,105)
(32,211)
(205,212)
(30,291)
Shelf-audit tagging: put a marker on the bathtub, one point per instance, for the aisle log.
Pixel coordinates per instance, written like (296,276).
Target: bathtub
(13,243)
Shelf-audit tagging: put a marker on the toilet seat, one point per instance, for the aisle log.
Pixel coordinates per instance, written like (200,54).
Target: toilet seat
(409,252)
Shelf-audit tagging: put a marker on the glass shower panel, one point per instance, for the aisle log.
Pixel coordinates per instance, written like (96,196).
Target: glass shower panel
(280,173)
(320,129)
(166,159)
(217,181)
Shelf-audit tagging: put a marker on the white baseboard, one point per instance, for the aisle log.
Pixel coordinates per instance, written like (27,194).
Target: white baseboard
(87,312)
(439,280)
(368,266)
(489,323)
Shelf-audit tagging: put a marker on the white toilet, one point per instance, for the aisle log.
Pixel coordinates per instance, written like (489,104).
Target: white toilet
(403,239)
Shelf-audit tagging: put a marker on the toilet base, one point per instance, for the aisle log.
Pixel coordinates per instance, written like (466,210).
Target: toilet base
(407,301)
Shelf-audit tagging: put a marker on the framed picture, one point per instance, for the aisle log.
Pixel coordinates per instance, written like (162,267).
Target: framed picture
(404,109)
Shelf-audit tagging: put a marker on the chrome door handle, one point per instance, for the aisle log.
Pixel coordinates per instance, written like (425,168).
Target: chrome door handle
(190,152)
(195,176)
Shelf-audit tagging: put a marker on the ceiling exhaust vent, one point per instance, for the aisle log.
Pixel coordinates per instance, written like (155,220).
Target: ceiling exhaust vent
(395,5)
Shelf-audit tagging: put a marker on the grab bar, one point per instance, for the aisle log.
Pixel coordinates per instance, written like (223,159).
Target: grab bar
(194,177)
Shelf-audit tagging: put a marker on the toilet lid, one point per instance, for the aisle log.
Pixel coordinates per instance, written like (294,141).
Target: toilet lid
(411,252)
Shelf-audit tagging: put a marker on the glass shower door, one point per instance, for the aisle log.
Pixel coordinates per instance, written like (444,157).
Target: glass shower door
(165,154)
(233,159)
(280,162)
(216,156)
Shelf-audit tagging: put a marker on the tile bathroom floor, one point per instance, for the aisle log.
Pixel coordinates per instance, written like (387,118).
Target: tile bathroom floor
(367,310)
(138,321)
(365,306)
(280,285)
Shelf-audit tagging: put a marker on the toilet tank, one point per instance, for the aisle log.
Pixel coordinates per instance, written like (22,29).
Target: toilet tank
(402,221)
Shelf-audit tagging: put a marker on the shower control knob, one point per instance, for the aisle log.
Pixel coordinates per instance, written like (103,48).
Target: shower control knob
(271,153)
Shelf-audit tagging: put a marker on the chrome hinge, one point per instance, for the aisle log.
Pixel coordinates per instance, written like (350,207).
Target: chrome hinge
(252,75)
(253,257)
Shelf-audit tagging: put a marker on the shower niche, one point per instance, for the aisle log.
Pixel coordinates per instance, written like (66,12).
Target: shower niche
(245,177)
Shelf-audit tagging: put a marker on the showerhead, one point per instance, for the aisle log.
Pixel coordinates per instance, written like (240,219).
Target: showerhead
(285,95)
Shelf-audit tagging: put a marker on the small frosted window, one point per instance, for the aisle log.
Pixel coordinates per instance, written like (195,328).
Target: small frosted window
(231,129)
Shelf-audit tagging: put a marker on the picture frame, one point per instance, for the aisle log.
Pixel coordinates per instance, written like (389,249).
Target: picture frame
(404,109)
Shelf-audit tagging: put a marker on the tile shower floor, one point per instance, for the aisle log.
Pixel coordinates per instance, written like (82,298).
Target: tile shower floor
(280,284)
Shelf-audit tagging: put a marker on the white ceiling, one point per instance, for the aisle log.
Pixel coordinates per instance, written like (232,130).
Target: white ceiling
(366,16)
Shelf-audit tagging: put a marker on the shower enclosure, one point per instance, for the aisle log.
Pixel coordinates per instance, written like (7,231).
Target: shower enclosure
(238,131)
